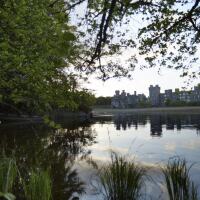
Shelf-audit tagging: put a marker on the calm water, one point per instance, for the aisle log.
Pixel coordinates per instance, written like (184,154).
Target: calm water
(70,152)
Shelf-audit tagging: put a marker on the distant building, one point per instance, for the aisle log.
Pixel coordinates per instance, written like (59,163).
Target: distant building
(168,94)
(124,100)
(154,95)
(156,98)
(196,93)
(161,99)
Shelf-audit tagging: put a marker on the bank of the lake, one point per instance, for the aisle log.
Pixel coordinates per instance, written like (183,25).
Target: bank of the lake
(55,115)
(171,110)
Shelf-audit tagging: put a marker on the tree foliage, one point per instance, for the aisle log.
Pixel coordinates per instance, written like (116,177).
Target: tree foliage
(168,33)
(37,47)
(103,101)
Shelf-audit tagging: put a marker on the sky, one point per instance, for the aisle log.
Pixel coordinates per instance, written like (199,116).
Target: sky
(141,80)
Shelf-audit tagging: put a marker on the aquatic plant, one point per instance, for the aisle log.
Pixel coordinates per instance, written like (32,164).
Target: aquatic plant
(122,179)
(38,186)
(178,181)
(8,174)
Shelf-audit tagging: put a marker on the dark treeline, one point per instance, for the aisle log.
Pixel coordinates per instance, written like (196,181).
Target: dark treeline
(101,101)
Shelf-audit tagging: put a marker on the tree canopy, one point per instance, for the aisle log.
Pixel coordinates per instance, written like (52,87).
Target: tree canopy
(167,33)
(37,47)
(102,101)
(43,56)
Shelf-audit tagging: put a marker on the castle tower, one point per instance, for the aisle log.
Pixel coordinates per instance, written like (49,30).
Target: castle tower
(116,92)
(154,95)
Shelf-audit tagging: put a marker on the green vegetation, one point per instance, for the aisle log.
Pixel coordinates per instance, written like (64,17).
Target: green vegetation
(84,100)
(43,57)
(37,48)
(122,179)
(102,101)
(144,104)
(39,186)
(36,186)
(167,35)
(178,181)
(8,174)
(52,151)
(180,103)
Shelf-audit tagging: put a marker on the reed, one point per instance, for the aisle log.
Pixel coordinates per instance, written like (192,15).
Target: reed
(178,182)
(8,174)
(122,179)
(38,186)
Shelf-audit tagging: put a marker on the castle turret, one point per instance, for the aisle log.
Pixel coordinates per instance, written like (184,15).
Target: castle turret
(116,92)
(154,95)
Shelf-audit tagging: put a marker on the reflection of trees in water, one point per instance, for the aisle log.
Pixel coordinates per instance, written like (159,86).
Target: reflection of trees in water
(71,143)
(157,121)
(55,150)
(63,148)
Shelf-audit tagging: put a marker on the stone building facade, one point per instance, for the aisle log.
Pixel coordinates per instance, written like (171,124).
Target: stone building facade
(156,98)
(160,99)
(126,100)
(154,95)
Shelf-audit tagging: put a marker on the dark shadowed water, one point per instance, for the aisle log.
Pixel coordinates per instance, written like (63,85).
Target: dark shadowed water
(71,152)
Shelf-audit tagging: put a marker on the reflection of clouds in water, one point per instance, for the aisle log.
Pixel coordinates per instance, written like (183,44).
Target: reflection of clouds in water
(171,147)
(103,152)
(191,144)
(104,149)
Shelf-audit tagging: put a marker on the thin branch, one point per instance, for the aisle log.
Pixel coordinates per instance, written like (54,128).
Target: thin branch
(185,17)
(74,5)
(194,25)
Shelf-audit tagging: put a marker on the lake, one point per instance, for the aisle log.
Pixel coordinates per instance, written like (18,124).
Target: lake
(73,151)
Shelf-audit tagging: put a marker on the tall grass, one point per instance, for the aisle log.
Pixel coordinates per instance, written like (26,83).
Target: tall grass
(121,179)
(178,181)
(8,174)
(39,186)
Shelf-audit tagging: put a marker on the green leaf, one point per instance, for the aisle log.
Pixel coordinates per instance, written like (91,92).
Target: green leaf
(7,196)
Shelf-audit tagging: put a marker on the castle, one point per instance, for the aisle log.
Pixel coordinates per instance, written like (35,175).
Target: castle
(156,98)
(125,100)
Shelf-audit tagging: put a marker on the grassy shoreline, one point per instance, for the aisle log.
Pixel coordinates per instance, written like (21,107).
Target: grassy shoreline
(157,110)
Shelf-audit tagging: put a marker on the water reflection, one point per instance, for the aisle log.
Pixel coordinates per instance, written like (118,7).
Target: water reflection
(157,122)
(58,150)
(38,146)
